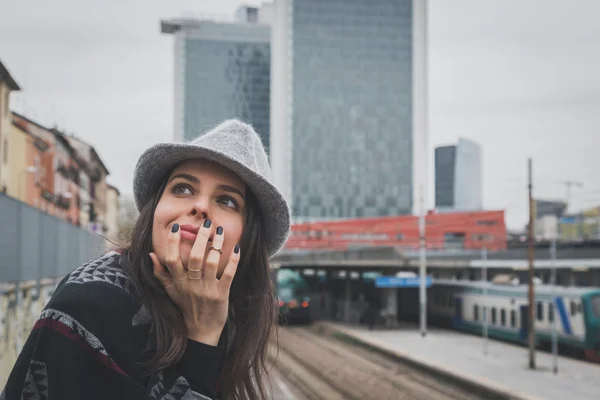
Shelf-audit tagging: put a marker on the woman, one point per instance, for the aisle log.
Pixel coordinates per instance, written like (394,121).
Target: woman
(186,310)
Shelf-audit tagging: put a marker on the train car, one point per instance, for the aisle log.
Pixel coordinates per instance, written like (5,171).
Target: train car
(293,297)
(577,310)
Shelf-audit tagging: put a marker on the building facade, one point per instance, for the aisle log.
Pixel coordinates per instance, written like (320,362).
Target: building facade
(222,70)
(93,185)
(458,177)
(580,226)
(59,174)
(7,85)
(342,97)
(447,231)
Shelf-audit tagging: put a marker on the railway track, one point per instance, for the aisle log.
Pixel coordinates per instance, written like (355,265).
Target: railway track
(321,367)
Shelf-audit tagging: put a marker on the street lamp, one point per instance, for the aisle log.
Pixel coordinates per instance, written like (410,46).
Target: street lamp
(30,169)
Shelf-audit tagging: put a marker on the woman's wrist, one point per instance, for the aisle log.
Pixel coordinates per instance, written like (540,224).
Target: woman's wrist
(209,338)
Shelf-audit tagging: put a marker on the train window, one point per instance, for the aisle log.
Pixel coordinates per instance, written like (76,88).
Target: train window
(476,313)
(494,315)
(503,317)
(513,318)
(550,312)
(596,305)
(579,308)
(573,308)
(540,311)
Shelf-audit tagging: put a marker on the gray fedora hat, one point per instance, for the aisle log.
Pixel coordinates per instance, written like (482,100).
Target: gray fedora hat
(234,145)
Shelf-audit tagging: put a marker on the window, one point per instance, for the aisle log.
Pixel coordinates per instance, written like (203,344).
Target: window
(6,94)
(494,315)
(476,313)
(550,312)
(503,317)
(486,222)
(573,308)
(513,318)
(540,311)
(5,151)
(596,305)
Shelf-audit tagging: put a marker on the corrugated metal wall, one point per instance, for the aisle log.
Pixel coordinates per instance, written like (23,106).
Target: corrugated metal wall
(34,245)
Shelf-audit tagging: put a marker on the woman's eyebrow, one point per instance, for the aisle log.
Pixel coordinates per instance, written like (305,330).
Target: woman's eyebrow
(188,177)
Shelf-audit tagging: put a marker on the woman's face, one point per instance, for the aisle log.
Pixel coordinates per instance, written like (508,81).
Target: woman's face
(196,190)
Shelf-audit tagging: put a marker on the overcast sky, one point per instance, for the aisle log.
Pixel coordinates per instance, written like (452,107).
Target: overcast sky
(521,77)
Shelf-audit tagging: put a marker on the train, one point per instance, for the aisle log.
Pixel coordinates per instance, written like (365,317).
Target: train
(459,304)
(293,297)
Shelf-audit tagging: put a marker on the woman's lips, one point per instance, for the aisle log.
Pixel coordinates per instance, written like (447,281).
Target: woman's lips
(190,232)
(187,235)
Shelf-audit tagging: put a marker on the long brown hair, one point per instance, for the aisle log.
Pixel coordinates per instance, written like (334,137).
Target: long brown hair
(252,306)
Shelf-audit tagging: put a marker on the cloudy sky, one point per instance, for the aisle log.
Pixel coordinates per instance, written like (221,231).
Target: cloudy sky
(521,77)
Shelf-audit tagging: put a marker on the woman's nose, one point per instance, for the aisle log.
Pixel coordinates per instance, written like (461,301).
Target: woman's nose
(200,208)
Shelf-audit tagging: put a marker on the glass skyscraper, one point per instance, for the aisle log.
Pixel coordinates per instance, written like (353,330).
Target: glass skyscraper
(458,177)
(222,70)
(342,107)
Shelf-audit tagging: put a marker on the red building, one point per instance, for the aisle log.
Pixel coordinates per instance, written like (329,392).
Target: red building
(462,230)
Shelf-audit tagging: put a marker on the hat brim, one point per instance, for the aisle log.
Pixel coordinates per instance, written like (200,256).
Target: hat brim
(155,162)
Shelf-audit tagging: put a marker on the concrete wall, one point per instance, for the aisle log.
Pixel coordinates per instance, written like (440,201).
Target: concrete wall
(17,317)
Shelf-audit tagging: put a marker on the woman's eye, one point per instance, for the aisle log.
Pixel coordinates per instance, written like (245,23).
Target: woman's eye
(181,188)
(229,202)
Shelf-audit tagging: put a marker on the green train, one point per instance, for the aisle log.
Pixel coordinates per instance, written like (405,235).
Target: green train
(293,297)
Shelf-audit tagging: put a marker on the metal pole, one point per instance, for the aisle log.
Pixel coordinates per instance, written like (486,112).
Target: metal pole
(530,255)
(422,269)
(554,314)
(485,294)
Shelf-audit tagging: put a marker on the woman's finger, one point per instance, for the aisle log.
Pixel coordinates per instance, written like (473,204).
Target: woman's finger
(160,272)
(213,256)
(230,269)
(172,256)
(196,260)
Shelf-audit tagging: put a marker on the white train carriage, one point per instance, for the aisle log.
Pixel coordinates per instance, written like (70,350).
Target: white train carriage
(576,310)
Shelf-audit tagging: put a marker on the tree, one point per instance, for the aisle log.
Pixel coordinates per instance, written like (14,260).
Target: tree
(128,214)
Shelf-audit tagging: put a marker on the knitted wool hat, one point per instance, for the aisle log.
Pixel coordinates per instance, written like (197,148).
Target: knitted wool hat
(237,147)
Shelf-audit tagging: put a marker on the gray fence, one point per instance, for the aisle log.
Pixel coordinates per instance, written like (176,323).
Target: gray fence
(35,245)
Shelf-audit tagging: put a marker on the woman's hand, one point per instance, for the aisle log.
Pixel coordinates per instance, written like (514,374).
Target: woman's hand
(202,297)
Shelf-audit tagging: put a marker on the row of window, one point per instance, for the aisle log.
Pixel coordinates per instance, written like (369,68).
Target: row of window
(540,315)
(494,321)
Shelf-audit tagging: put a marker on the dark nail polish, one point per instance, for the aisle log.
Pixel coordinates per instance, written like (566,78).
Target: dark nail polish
(219,230)
(175,227)
(207,223)
(236,249)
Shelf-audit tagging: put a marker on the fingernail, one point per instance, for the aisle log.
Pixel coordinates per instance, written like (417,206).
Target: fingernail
(207,223)
(175,227)
(219,230)
(236,249)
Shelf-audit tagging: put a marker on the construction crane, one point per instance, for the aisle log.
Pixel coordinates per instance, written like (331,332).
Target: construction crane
(569,185)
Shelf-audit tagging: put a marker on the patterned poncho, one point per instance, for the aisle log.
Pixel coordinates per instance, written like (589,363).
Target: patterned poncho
(89,342)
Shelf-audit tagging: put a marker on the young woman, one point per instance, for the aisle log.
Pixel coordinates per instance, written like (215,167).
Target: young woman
(185,311)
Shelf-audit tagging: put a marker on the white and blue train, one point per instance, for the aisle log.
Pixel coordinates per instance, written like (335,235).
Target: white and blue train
(577,312)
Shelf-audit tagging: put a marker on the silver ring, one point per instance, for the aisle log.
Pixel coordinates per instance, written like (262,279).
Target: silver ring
(194,270)
(214,248)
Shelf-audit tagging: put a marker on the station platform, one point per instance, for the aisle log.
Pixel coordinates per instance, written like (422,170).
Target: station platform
(504,368)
